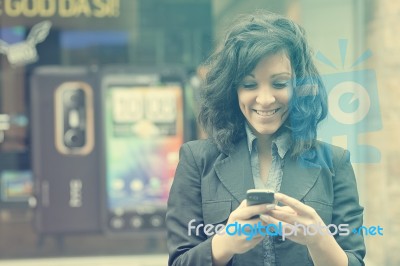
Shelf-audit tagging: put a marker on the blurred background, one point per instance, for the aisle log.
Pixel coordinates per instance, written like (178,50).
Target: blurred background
(96,98)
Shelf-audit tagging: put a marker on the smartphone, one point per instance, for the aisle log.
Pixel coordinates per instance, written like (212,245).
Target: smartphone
(143,131)
(260,196)
(65,150)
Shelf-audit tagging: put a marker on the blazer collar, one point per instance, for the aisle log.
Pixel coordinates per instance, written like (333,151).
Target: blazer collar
(234,172)
(299,176)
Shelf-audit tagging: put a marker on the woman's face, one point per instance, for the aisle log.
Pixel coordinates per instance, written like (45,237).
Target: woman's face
(264,94)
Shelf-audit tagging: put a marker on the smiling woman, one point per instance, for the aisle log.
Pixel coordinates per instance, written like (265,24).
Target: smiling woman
(262,101)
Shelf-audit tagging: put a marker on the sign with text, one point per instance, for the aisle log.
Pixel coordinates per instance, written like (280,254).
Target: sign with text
(60,8)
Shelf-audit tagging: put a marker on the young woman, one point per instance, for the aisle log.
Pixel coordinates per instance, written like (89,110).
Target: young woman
(262,102)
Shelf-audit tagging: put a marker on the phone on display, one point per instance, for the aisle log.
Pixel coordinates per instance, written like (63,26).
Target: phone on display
(65,150)
(143,131)
(260,196)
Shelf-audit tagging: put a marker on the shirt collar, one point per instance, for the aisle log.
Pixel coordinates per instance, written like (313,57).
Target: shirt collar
(250,137)
(282,142)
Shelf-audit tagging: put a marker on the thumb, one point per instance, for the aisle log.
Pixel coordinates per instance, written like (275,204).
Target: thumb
(242,204)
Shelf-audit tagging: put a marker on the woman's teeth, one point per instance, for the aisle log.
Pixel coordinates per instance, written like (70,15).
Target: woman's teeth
(264,113)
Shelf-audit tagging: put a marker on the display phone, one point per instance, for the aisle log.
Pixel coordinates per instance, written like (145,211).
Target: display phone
(143,131)
(65,149)
(260,196)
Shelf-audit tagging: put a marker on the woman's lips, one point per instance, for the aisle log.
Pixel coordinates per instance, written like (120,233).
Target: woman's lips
(266,113)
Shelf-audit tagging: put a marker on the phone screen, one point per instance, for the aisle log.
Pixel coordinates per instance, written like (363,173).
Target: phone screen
(144,131)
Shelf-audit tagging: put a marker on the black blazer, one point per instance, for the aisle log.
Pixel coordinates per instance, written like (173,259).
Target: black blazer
(209,185)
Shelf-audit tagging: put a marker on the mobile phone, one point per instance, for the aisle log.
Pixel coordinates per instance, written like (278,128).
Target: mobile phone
(143,129)
(66,150)
(260,196)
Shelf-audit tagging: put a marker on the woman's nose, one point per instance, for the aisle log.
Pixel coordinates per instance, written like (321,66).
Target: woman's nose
(265,96)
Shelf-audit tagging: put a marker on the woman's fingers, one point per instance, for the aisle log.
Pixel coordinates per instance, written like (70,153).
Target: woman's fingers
(247,212)
(287,217)
(286,209)
(297,206)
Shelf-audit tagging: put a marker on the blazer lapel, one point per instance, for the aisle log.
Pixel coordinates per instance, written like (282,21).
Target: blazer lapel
(234,171)
(299,176)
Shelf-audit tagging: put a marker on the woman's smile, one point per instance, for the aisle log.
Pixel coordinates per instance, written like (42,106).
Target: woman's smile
(266,113)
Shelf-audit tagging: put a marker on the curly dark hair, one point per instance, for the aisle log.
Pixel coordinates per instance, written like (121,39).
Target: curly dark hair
(247,41)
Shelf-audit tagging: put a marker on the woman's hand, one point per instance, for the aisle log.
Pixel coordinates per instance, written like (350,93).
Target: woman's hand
(224,246)
(322,246)
(295,218)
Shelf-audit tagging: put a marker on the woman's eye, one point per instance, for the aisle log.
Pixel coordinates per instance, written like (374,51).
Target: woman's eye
(281,85)
(249,85)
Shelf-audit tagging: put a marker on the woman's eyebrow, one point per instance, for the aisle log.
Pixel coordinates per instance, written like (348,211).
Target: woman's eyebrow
(281,74)
(272,76)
